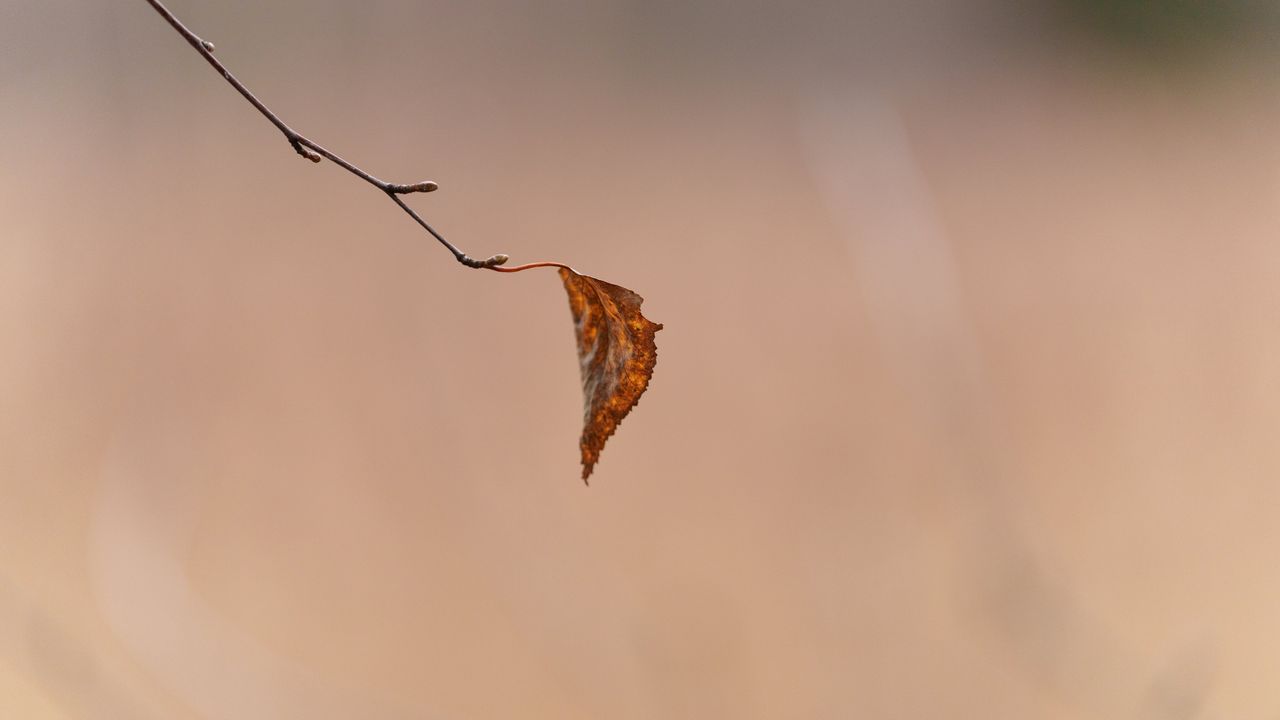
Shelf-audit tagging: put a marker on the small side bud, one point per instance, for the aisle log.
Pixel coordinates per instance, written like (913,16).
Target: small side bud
(310,154)
(498,259)
(207,45)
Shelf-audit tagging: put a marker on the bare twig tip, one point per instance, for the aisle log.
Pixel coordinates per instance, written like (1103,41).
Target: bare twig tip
(492,261)
(425,186)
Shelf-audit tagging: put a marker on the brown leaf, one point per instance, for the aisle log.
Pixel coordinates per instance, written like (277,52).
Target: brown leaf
(617,354)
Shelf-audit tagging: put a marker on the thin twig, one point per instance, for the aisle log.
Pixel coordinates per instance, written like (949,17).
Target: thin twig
(313,151)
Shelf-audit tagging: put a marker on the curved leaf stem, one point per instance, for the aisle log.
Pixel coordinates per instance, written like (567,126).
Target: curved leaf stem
(530,266)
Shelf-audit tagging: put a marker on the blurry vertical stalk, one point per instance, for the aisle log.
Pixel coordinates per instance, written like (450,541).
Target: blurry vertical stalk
(867,174)
(58,664)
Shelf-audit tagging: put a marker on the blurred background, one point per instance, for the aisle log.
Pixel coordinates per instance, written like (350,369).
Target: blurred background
(966,404)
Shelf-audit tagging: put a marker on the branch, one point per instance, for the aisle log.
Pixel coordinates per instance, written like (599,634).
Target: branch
(616,350)
(314,151)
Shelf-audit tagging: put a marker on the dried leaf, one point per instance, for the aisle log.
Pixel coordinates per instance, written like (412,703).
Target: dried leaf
(617,354)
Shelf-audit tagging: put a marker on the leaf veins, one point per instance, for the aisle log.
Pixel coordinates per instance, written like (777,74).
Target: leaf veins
(617,355)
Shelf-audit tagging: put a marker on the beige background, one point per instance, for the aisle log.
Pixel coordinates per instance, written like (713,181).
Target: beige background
(966,405)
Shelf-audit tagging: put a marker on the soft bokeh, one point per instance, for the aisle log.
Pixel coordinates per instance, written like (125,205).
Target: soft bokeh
(967,403)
